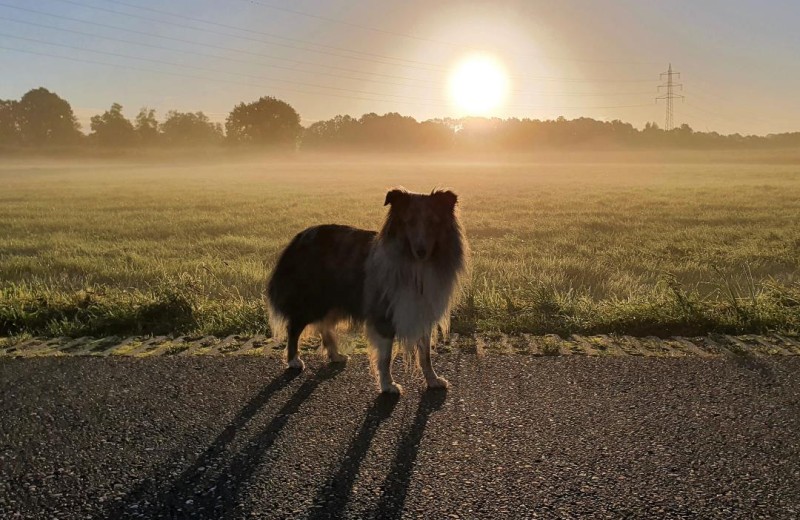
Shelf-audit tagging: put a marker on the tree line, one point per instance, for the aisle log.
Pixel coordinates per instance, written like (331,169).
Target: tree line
(41,118)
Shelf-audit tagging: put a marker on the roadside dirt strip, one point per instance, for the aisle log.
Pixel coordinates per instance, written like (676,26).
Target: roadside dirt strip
(550,345)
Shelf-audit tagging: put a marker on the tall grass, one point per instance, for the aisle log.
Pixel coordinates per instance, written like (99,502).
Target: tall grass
(642,246)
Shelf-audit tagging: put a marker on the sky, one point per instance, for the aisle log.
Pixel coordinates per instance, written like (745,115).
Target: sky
(738,59)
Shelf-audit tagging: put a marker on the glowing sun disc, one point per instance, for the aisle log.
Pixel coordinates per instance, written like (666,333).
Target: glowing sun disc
(478,85)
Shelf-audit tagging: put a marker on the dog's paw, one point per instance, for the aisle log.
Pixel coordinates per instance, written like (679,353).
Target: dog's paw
(439,383)
(296,364)
(391,388)
(339,358)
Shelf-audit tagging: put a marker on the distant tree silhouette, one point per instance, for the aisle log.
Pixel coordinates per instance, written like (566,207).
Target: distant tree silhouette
(146,126)
(784,140)
(390,131)
(268,121)
(338,132)
(434,135)
(190,129)
(42,118)
(393,131)
(111,128)
(651,135)
(46,119)
(9,129)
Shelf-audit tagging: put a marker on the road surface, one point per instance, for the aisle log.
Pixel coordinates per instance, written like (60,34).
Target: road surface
(516,436)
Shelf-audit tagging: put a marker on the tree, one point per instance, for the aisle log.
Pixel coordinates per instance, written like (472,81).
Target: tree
(112,129)
(339,132)
(9,129)
(190,129)
(434,135)
(268,121)
(390,131)
(46,119)
(146,126)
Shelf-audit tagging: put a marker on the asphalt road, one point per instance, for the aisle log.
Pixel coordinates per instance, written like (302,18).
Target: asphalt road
(515,437)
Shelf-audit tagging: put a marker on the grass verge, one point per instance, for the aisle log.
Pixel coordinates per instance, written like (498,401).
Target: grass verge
(181,307)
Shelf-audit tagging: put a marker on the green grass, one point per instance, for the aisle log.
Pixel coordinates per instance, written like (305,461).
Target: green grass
(636,244)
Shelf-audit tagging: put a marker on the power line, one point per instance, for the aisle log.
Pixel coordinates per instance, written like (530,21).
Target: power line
(206,69)
(371,56)
(201,44)
(415,100)
(711,101)
(395,33)
(331,20)
(217,71)
(337,21)
(412,64)
(670,95)
(715,115)
(268,56)
(204,78)
(286,89)
(294,69)
(206,55)
(738,119)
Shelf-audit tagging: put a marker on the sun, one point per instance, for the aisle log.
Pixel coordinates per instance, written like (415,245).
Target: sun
(478,85)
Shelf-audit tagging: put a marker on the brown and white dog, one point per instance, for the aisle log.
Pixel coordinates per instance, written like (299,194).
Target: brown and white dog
(400,282)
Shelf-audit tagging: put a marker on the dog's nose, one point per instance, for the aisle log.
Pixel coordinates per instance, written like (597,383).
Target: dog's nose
(421,252)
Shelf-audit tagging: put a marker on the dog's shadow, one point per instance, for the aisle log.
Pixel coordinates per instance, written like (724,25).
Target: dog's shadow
(212,485)
(207,485)
(398,479)
(334,496)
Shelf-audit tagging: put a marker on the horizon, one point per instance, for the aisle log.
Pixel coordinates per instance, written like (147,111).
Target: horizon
(345,58)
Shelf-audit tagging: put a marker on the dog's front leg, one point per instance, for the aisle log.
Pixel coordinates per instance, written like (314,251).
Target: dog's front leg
(384,365)
(424,348)
(382,360)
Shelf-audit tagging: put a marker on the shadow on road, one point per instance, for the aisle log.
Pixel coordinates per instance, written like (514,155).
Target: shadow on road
(334,495)
(398,480)
(211,485)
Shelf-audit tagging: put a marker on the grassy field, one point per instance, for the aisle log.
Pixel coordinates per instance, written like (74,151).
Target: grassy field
(635,244)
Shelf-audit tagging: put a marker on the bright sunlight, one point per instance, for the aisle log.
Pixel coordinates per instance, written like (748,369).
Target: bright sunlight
(478,85)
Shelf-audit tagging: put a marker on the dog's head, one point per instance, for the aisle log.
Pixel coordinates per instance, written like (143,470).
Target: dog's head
(420,221)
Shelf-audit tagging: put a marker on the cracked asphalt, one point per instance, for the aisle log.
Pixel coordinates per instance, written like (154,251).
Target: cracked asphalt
(515,437)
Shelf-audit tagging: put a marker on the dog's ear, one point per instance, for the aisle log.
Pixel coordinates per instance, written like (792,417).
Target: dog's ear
(395,197)
(446,199)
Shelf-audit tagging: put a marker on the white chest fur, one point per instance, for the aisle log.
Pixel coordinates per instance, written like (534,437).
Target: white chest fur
(418,296)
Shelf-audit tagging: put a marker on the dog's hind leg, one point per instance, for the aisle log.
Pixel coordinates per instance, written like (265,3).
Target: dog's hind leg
(424,353)
(381,356)
(292,356)
(330,342)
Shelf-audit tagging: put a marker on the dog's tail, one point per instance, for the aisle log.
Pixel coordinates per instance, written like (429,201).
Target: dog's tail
(277,322)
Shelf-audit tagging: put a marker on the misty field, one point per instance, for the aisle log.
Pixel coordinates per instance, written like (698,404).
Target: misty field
(622,244)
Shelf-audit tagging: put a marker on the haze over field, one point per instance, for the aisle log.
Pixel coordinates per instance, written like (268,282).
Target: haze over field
(626,243)
(526,59)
